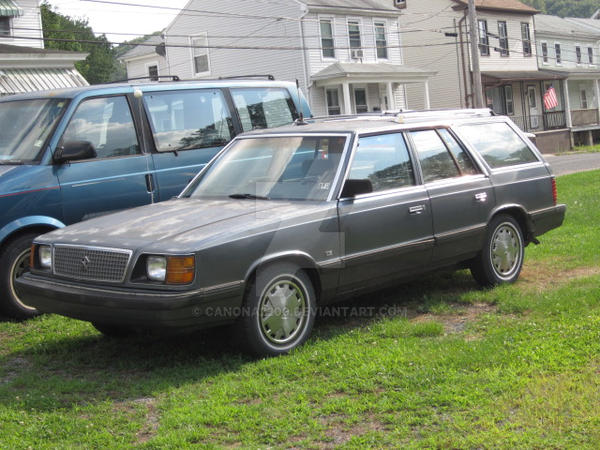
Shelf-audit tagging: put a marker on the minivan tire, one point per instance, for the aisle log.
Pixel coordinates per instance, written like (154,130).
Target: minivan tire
(501,259)
(14,261)
(294,316)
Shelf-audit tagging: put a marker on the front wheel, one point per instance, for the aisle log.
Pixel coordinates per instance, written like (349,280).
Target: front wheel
(14,262)
(501,258)
(279,313)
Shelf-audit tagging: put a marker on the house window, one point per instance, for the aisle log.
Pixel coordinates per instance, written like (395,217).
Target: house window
(5,26)
(484,41)
(578,54)
(354,33)
(360,100)
(503,38)
(590,55)
(400,4)
(327,43)
(526,38)
(558,54)
(545,52)
(200,54)
(333,102)
(584,102)
(508,100)
(153,72)
(381,40)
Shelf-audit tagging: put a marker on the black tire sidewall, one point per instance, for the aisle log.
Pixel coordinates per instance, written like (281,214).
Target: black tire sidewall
(252,335)
(9,303)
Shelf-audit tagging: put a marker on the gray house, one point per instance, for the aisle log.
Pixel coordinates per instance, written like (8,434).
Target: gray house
(346,54)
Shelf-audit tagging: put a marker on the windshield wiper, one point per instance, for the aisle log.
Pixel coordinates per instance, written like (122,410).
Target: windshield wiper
(249,196)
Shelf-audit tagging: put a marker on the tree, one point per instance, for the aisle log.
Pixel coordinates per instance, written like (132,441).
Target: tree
(76,35)
(565,8)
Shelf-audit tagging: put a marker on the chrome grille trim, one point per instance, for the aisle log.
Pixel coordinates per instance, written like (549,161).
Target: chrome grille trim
(103,264)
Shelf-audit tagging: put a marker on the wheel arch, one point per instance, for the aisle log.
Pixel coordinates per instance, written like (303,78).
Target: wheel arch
(303,260)
(28,224)
(519,213)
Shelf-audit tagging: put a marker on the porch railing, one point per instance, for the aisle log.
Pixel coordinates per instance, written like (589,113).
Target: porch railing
(582,117)
(548,121)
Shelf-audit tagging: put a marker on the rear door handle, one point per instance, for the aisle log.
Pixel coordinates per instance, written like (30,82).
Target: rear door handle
(416,210)
(149,182)
(481,197)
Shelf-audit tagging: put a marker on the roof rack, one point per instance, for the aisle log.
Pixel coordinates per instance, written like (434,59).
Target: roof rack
(413,116)
(238,77)
(151,78)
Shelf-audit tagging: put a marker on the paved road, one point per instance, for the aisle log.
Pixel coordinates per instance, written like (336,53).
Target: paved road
(563,165)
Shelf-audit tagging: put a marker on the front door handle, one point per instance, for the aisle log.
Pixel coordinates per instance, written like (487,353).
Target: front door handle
(416,210)
(481,197)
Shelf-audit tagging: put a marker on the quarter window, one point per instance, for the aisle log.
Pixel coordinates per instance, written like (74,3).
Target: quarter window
(383,160)
(185,120)
(264,107)
(200,54)
(436,161)
(381,40)
(107,124)
(327,42)
(458,152)
(498,144)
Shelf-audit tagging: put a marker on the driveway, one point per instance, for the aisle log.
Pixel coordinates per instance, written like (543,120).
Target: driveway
(581,162)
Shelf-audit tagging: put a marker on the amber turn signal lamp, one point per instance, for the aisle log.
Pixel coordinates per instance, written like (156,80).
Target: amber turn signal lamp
(180,269)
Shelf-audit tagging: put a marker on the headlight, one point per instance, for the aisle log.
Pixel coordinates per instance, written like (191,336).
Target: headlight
(45,256)
(156,268)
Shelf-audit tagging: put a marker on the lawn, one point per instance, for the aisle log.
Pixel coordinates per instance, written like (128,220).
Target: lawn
(440,364)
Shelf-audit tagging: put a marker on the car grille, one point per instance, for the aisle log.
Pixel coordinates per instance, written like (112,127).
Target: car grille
(91,263)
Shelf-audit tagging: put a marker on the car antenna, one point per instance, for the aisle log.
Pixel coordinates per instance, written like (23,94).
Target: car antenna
(300,120)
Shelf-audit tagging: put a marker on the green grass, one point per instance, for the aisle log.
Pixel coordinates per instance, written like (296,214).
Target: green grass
(444,365)
(582,149)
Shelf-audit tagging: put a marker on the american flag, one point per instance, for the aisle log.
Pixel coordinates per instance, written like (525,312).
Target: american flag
(550,99)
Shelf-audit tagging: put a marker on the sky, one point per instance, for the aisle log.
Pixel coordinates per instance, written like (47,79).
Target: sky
(111,19)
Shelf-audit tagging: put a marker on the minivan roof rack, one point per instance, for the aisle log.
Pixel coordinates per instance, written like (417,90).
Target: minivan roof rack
(238,77)
(151,78)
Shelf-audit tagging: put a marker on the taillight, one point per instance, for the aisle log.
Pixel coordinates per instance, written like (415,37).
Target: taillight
(554,191)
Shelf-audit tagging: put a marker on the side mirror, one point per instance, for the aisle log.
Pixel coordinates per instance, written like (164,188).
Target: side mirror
(352,188)
(74,151)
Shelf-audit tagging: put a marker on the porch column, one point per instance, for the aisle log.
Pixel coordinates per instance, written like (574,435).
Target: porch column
(567,104)
(598,97)
(427,100)
(346,94)
(390,96)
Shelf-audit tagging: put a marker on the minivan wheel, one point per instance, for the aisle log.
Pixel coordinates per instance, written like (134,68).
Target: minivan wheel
(279,310)
(14,262)
(501,258)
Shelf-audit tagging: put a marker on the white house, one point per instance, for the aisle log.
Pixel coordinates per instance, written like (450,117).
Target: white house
(24,63)
(346,54)
(147,60)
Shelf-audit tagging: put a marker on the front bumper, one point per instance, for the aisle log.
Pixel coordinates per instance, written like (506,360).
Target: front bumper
(547,219)
(132,308)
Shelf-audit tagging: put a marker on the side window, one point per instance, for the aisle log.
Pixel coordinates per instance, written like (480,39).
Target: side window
(264,107)
(436,161)
(192,119)
(498,144)
(107,124)
(385,161)
(465,163)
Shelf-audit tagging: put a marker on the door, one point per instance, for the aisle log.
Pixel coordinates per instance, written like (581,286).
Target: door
(360,100)
(387,233)
(534,107)
(462,197)
(189,128)
(119,176)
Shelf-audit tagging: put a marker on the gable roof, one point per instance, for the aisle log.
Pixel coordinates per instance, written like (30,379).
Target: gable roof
(149,48)
(554,25)
(379,5)
(501,5)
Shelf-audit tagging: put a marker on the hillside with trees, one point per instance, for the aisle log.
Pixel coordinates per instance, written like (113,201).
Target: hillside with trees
(566,8)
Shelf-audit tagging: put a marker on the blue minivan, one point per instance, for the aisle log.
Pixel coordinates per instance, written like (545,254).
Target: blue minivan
(70,155)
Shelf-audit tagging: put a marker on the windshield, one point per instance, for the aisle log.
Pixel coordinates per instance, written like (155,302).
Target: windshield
(25,126)
(278,168)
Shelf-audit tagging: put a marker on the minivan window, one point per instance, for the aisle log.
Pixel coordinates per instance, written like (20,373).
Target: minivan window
(25,125)
(191,119)
(107,124)
(436,162)
(383,160)
(264,107)
(498,144)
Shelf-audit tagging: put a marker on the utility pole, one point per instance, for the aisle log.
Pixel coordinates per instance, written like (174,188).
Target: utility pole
(474,38)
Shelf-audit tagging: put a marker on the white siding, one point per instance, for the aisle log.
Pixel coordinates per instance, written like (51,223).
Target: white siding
(29,25)
(139,66)
(568,52)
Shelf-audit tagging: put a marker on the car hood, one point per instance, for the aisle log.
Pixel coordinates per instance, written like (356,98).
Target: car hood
(181,225)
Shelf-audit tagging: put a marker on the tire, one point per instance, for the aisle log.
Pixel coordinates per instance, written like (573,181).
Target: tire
(114,331)
(14,261)
(272,324)
(501,259)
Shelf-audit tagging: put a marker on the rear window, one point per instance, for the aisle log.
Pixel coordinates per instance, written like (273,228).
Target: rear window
(498,144)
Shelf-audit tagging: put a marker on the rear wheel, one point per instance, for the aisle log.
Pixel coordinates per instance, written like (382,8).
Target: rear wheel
(280,310)
(501,258)
(14,262)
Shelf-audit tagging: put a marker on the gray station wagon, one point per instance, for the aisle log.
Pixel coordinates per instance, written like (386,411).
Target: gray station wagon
(285,220)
